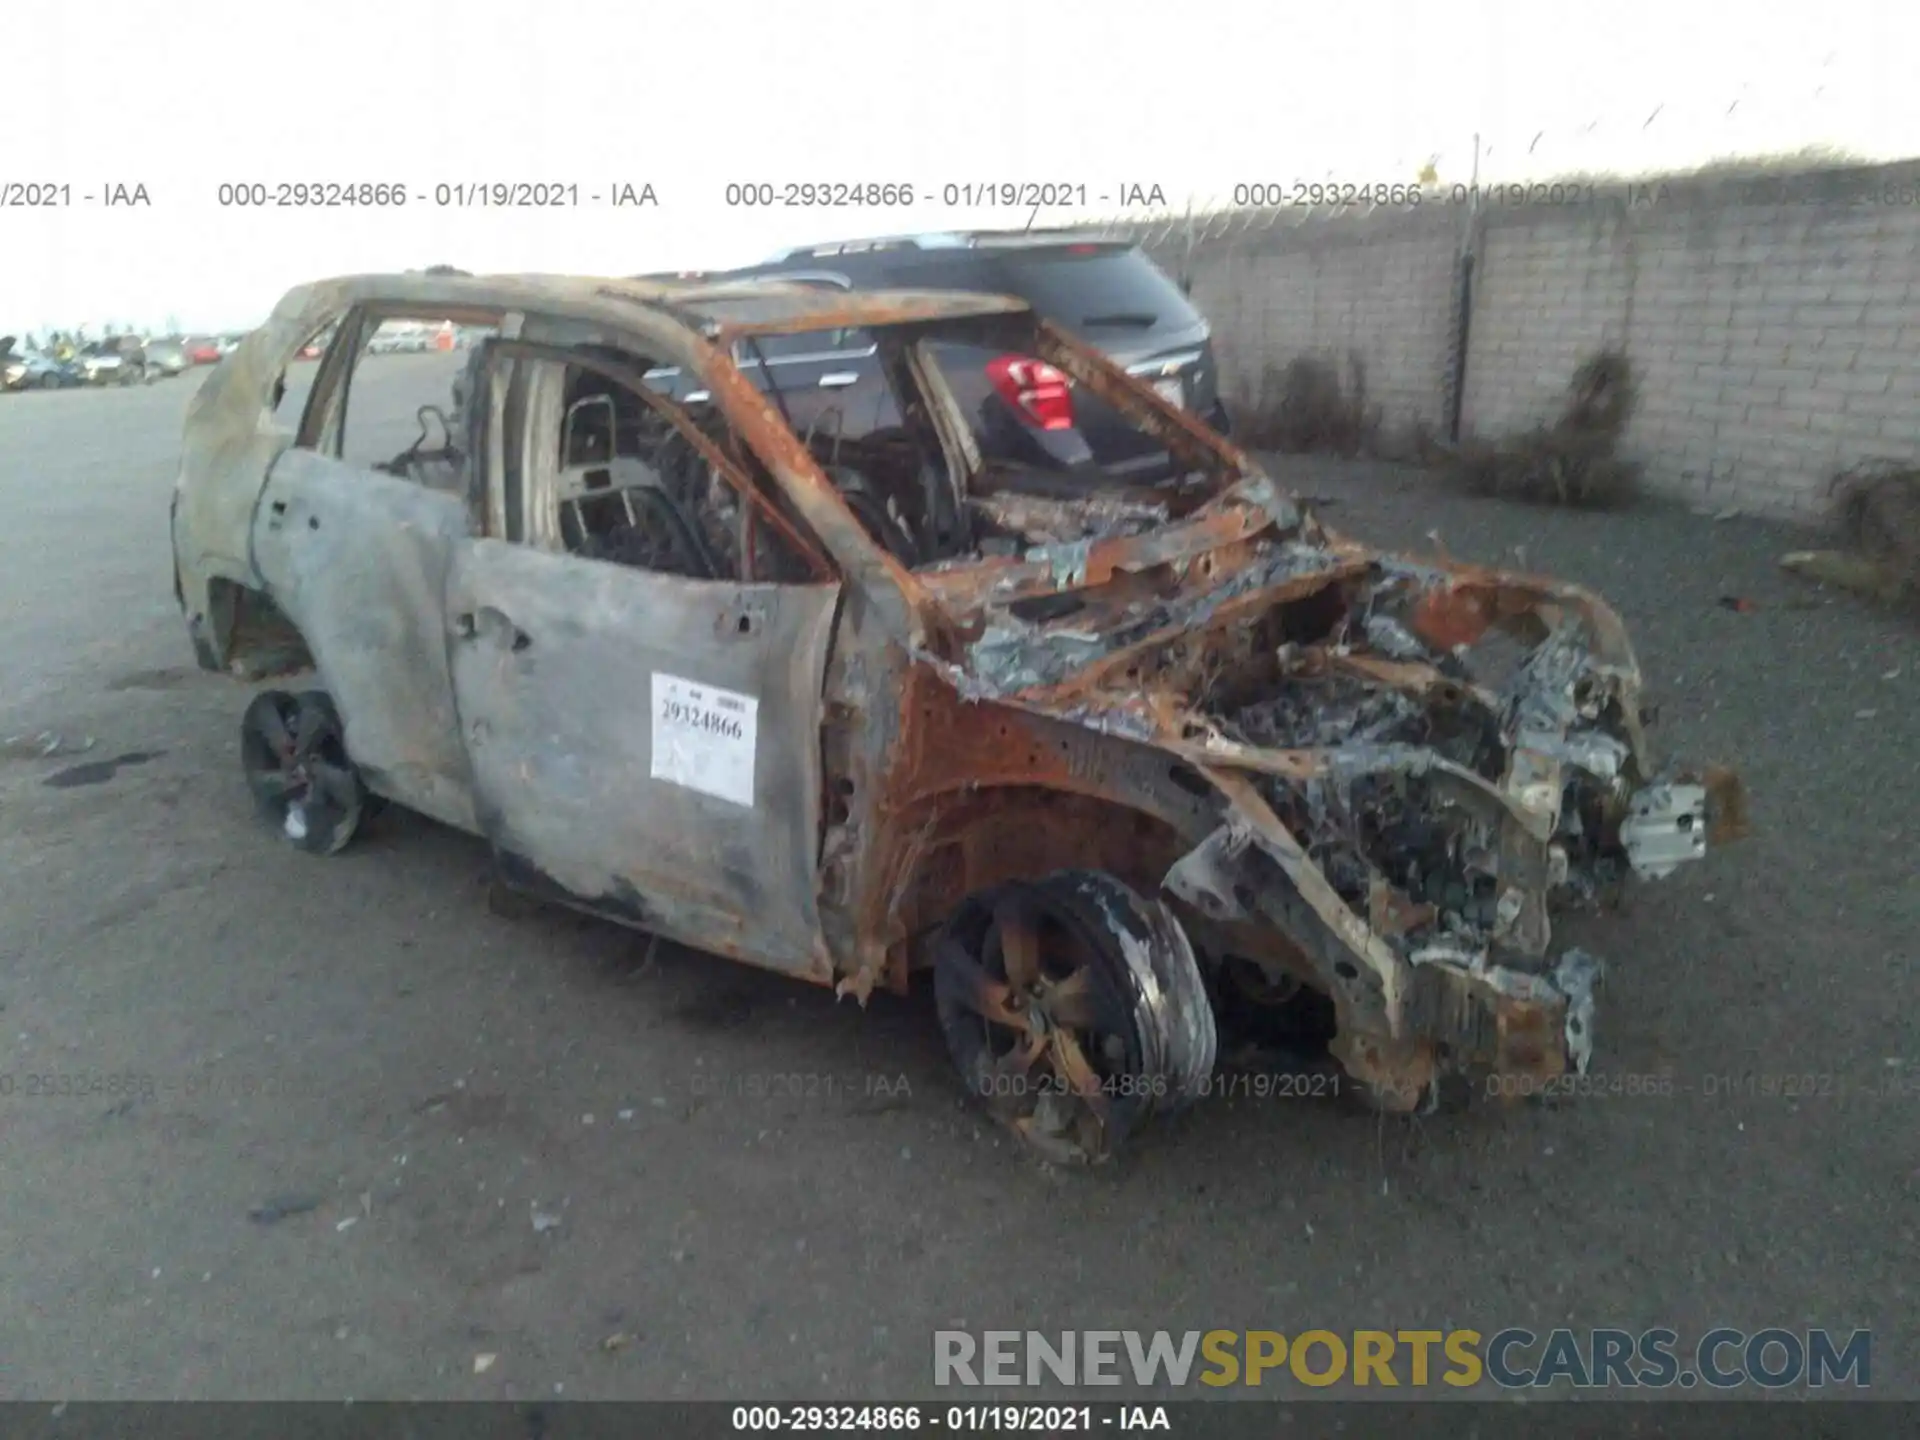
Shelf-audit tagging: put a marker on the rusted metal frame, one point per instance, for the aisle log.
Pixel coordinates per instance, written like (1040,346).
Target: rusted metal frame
(935,781)
(1278,842)
(1458,610)
(886,583)
(1191,440)
(949,820)
(1459,603)
(1475,598)
(859,737)
(1411,677)
(1096,562)
(742,483)
(942,765)
(1535,785)
(1299,766)
(1109,668)
(855,311)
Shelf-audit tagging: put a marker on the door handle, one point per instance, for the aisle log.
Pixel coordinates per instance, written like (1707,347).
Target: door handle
(839,379)
(466,626)
(739,622)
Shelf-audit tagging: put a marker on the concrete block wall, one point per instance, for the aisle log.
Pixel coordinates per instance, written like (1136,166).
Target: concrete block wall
(1773,322)
(1333,288)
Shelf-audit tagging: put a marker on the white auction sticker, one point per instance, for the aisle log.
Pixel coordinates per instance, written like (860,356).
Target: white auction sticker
(704,738)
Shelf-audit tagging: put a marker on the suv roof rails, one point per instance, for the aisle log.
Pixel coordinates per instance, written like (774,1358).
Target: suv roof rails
(953,240)
(932,240)
(1061,235)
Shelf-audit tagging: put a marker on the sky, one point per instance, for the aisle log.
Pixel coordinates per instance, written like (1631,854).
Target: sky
(1193,98)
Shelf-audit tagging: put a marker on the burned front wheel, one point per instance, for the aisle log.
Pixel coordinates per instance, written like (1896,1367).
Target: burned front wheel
(1074,1010)
(294,752)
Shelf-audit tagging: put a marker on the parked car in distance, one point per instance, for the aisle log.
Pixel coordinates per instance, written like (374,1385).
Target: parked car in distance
(315,347)
(202,349)
(34,370)
(401,338)
(1107,291)
(116,360)
(883,709)
(165,359)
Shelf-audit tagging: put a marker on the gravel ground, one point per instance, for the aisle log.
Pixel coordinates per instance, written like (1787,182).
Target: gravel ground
(343,1091)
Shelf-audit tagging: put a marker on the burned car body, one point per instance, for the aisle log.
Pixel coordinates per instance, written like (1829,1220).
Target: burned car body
(858,706)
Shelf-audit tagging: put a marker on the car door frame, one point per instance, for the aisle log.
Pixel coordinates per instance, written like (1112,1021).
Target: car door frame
(565,673)
(358,560)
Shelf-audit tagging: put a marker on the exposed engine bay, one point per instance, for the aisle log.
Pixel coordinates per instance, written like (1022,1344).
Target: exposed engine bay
(1433,757)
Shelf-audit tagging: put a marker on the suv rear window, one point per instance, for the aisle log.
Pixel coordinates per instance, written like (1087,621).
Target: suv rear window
(1104,294)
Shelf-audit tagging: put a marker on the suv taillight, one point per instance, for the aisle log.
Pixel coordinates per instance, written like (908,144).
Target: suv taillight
(1038,391)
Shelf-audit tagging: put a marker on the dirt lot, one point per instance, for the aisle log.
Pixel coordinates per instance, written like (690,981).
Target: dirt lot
(360,1041)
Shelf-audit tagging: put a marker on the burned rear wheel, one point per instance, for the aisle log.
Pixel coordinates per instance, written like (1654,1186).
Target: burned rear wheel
(1074,1011)
(294,752)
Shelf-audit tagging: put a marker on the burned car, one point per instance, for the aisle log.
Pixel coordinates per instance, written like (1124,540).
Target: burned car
(862,706)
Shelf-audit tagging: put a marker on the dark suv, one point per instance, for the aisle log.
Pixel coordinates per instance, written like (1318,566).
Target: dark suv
(1107,291)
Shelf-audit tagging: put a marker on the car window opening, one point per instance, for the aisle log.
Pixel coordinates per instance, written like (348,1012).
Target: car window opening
(634,484)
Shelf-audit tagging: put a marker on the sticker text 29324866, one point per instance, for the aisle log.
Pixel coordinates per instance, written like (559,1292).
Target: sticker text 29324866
(704,738)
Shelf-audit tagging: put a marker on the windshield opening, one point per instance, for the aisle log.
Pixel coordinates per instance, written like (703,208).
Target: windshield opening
(955,441)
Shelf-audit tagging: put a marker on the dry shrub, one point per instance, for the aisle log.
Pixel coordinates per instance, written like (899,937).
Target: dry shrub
(1573,461)
(1877,506)
(1411,442)
(1879,511)
(1303,406)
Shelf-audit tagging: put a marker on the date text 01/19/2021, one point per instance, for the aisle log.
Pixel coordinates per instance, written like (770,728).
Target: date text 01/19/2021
(957,1419)
(1219,1085)
(1894,1082)
(1334,194)
(456,195)
(965,195)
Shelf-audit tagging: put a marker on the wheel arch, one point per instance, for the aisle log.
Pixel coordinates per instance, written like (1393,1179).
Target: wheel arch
(963,841)
(241,630)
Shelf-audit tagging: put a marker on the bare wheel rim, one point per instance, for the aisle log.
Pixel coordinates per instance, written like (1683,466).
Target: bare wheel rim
(1054,1011)
(303,784)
